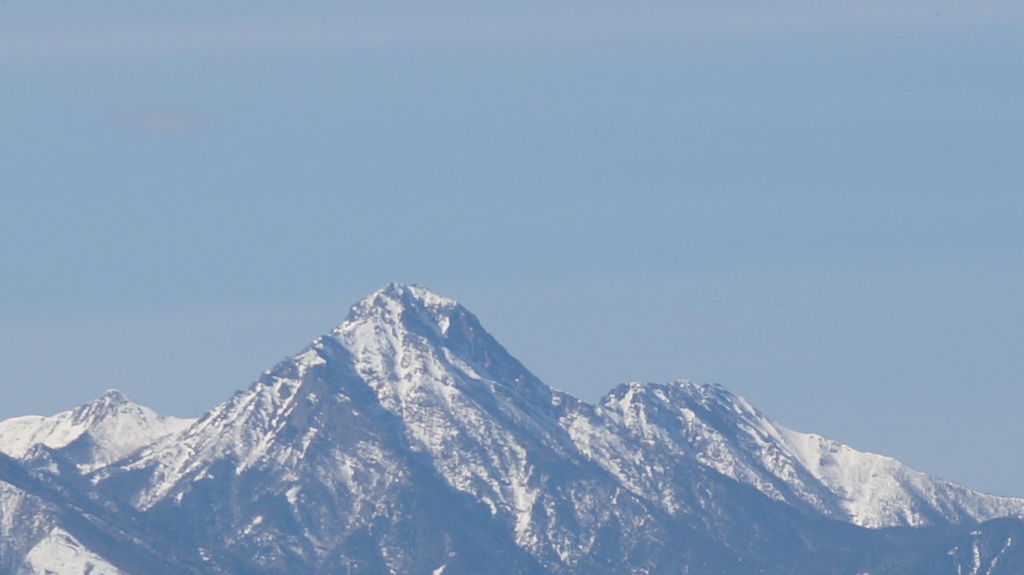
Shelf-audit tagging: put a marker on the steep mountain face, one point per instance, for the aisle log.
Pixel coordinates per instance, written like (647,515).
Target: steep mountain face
(409,441)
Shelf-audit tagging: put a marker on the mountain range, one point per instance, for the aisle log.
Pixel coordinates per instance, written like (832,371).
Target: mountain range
(409,441)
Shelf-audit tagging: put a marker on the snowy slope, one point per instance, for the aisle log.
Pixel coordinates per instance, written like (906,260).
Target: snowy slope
(707,424)
(879,491)
(112,426)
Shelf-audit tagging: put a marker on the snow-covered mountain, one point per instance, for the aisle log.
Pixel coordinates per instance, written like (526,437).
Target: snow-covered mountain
(100,432)
(408,440)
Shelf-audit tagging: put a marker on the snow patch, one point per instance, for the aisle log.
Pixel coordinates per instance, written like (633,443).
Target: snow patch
(60,553)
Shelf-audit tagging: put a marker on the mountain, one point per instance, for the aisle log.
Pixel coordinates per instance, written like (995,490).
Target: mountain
(408,440)
(97,433)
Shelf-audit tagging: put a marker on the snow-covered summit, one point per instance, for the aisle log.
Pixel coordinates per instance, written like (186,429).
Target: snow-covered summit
(421,361)
(395,298)
(411,310)
(406,333)
(112,426)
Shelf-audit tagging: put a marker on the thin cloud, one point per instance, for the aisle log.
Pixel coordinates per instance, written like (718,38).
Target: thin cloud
(163,122)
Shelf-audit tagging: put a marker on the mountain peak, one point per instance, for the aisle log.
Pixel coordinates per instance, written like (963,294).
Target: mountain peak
(412,306)
(113,420)
(111,403)
(405,333)
(416,294)
(113,397)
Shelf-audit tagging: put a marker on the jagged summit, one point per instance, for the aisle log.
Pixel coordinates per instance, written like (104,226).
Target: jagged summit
(398,297)
(106,405)
(421,358)
(413,307)
(408,333)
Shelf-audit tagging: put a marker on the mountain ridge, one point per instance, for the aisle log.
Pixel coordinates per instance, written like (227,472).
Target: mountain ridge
(409,440)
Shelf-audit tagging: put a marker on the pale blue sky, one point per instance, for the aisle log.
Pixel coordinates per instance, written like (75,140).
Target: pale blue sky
(817,205)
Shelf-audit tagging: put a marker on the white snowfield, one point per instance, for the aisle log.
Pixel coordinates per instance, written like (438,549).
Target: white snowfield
(413,372)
